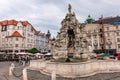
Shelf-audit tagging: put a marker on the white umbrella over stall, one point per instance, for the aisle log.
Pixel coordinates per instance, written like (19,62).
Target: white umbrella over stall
(48,54)
(21,53)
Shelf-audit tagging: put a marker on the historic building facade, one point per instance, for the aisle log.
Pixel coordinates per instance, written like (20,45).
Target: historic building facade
(42,42)
(17,36)
(110,40)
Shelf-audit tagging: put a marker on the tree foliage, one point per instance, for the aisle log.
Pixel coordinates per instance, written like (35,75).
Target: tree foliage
(33,51)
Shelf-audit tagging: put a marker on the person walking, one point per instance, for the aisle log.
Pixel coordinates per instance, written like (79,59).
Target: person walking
(19,59)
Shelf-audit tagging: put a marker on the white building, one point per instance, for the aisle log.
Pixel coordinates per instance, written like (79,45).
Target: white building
(17,36)
(41,42)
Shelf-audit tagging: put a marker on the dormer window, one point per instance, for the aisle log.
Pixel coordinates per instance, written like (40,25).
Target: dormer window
(19,27)
(4,28)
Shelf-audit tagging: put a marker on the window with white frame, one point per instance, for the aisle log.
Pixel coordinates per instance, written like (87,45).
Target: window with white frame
(108,34)
(4,28)
(23,34)
(107,28)
(118,39)
(16,45)
(117,33)
(118,45)
(16,39)
(116,26)
(94,36)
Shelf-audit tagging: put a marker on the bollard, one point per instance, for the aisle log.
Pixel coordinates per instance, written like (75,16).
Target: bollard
(24,74)
(10,71)
(53,75)
(12,65)
(23,63)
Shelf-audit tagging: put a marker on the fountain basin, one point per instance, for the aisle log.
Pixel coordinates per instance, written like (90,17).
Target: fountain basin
(78,69)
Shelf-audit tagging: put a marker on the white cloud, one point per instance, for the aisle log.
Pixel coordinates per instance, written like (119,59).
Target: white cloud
(48,14)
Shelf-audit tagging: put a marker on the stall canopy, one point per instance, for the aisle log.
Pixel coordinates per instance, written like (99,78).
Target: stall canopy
(22,53)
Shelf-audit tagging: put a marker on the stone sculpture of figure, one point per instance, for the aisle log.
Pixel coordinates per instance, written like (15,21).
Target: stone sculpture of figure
(69,8)
(71,37)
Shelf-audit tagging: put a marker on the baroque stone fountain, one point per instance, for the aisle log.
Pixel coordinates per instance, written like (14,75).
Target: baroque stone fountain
(71,41)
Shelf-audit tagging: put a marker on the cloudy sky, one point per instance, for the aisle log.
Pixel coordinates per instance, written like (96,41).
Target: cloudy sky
(47,15)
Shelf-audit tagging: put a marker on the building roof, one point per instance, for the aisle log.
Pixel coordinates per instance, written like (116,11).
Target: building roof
(25,23)
(8,22)
(109,20)
(37,32)
(4,22)
(14,22)
(16,34)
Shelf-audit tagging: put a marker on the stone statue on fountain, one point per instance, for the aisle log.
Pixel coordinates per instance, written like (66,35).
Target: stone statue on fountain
(71,40)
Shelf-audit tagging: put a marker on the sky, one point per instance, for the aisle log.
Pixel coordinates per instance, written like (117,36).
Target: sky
(47,15)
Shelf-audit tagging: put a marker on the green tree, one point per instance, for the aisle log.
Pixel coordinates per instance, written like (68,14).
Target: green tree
(33,51)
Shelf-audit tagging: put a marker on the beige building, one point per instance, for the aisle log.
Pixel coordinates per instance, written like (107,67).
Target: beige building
(16,36)
(103,37)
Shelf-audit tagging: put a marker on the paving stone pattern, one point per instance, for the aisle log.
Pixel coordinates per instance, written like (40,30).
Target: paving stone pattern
(36,75)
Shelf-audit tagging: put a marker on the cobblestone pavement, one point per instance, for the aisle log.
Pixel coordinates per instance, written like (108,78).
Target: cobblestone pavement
(36,75)
(18,72)
(4,70)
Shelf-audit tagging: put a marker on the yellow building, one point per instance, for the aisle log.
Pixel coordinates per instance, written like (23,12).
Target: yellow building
(103,37)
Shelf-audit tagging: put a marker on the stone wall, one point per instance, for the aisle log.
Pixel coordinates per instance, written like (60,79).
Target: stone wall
(81,69)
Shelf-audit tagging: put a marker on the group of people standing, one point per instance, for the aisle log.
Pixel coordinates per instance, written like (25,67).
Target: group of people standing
(24,58)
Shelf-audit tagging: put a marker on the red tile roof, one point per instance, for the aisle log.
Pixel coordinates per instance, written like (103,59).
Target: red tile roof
(16,34)
(14,22)
(0,23)
(8,22)
(4,22)
(25,23)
